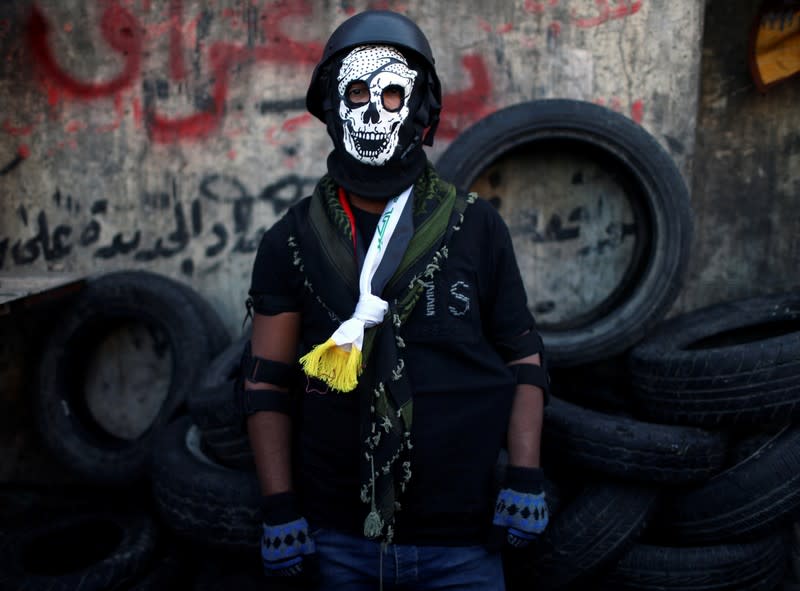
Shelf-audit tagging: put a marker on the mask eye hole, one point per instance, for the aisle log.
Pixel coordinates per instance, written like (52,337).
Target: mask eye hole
(392,97)
(357,93)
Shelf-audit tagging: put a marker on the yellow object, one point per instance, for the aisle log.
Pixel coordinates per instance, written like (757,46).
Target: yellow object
(775,47)
(334,365)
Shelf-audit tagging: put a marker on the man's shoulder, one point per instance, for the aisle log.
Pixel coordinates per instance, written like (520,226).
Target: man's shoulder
(484,215)
(287,225)
(300,209)
(296,214)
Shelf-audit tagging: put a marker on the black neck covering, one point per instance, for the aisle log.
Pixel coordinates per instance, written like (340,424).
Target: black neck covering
(376,182)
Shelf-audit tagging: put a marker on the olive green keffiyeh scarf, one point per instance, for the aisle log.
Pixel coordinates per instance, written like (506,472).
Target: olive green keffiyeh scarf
(323,251)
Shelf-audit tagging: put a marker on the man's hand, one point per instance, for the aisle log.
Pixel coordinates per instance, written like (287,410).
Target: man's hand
(521,511)
(287,548)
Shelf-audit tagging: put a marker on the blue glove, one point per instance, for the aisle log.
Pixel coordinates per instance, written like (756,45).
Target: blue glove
(521,509)
(287,549)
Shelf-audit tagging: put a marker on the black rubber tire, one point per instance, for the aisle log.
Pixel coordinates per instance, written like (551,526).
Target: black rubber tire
(167,573)
(754,566)
(216,334)
(603,385)
(245,573)
(198,498)
(24,504)
(745,501)
(659,190)
(744,444)
(736,363)
(583,439)
(67,427)
(592,530)
(92,550)
(217,411)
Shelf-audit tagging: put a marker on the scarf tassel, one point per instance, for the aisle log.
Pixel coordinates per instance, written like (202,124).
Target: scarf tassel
(373,525)
(334,365)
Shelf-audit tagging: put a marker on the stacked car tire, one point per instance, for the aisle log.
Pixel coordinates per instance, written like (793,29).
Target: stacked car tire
(700,448)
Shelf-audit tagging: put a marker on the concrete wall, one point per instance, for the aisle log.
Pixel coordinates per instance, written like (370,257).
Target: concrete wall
(746,182)
(169,134)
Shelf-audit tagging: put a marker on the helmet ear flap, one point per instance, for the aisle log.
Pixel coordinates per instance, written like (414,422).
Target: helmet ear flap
(427,115)
(324,87)
(434,108)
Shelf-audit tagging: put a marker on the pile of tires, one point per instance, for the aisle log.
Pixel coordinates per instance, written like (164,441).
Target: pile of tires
(203,477)
(689,477)
(79,538)
(673,444)
(73,539)
(124,351)
(130,347)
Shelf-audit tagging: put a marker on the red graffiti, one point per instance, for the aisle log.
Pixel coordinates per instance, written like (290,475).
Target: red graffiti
(176,65)
(17,131)
(500,29)
(223,58)
(127,37)
(637,111)
(74,126)
(622,9)
(388,5)
(120,30)
(53,95)
(198,125)
(136,107)
(290,125)
(294,123)
(615,104)
(538,7)
(281,47)
(119,114)
(462,108)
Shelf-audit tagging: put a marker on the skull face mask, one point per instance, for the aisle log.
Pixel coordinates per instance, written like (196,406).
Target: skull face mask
(371,128)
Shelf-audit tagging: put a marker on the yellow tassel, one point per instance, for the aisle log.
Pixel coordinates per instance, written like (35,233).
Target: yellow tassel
(333,365)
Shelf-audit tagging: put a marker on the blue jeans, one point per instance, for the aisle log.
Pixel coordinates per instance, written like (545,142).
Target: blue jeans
(349,563)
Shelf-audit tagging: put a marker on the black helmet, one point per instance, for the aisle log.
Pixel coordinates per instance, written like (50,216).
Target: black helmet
(375,27)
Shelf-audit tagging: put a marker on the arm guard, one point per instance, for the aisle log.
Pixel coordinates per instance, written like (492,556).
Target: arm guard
(535,375)
(259,370)
(521,346)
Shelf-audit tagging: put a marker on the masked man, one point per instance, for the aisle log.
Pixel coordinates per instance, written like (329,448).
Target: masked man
(393,354)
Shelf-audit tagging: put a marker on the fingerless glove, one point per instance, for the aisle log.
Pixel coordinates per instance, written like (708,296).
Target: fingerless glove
(286,545)
(521,508)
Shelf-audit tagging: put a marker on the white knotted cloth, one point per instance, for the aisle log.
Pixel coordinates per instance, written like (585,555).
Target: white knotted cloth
(337,361)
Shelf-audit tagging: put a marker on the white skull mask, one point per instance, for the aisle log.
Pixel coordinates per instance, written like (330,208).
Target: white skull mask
(371,131)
